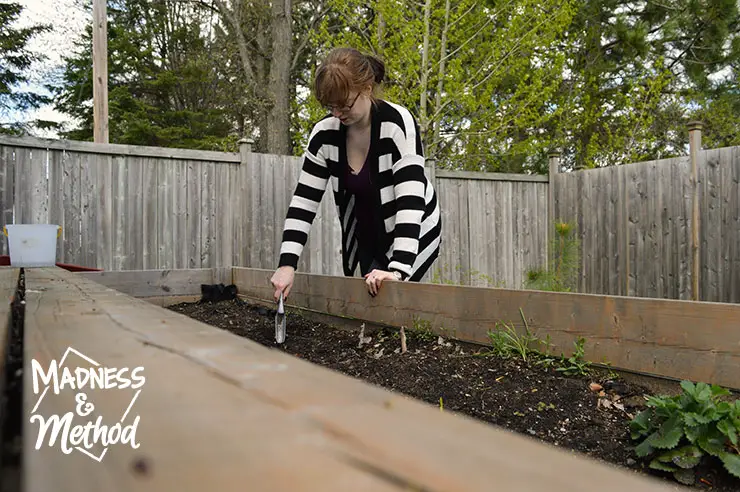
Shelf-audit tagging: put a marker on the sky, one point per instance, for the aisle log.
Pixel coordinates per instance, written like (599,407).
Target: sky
(68,19)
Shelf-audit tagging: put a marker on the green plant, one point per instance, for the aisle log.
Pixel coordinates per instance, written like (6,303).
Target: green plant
(545,359)
(544,406)
(564,256)
(576,364)
(422,330)
(677,432)
(507,342)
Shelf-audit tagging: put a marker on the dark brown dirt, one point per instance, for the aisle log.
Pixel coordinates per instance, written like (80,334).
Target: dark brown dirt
(526,397)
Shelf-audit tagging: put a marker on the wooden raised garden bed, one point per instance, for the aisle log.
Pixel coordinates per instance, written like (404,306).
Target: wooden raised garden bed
(223,409)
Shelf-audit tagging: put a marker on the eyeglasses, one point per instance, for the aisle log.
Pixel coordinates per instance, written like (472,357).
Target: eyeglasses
(342,109)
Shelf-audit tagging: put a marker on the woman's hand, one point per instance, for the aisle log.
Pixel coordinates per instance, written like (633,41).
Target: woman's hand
(282,280)
(375,278)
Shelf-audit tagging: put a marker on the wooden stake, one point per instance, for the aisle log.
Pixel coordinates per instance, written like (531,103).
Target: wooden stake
(694,148)
(100,72)
(403,340)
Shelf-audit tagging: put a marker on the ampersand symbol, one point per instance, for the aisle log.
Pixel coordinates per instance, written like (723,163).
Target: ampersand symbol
(83,409)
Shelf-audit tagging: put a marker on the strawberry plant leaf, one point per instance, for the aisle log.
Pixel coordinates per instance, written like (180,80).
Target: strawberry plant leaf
(724,408)
(656,464)
(693,419)
(668,435)
(640,425)
(719,391)
(703,392)
(686,477)
(712,444)
(694,433)
(731,462)
(727,428)
(687,456)
(644,449)
(688,387)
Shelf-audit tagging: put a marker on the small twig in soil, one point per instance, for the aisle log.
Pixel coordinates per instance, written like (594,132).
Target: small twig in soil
(363,338)
(403,340)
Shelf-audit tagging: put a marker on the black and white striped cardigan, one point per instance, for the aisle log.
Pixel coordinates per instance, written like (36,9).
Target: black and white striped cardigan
(411,234)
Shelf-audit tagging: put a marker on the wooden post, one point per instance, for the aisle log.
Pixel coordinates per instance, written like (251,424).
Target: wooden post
(430,166)
(694,148)
(100,71)
(554,170)
(245,148)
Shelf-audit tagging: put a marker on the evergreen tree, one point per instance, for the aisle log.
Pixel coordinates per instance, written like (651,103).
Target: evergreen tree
(15,62)
(164,85)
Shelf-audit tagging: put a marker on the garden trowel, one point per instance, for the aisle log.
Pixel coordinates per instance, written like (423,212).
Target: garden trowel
(280,321)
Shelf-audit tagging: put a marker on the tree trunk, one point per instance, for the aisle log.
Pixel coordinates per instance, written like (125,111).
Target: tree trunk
(434,141)
(423,117)
(278,130)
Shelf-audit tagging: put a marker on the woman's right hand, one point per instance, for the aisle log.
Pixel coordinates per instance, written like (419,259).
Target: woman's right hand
(282,280)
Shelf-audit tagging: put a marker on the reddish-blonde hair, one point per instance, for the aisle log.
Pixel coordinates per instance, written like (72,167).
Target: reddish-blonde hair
(345,70)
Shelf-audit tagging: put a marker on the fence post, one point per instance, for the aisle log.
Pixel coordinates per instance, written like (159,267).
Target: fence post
(553,170)
(430,166)
(245,148)
(695,128)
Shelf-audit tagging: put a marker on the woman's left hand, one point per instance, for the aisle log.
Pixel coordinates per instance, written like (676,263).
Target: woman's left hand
(375,278)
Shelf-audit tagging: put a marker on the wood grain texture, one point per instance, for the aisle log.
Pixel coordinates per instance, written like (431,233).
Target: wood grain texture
(676,339)
(221,412)
(118,149)
(148,283)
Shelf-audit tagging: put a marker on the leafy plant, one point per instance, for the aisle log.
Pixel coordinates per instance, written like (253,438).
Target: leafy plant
(562,276)
(507,342)
(576,364)
(677,432)
(421,330)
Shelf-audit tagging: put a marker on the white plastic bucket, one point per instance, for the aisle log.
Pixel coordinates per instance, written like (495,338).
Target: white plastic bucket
(32,245)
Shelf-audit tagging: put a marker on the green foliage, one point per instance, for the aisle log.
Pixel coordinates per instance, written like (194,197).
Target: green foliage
(676,432)
(507,342)
(485,84)
(576,364)
(422,330)
(562,274)
(165,88)
(15,62)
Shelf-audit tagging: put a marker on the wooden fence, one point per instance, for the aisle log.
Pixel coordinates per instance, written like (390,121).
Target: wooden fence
(636,226)
(130,208)
(127,208)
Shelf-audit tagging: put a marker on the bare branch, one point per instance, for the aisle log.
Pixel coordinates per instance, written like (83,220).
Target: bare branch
(306,37)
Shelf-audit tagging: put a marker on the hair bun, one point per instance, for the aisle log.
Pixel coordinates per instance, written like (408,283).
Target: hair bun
(378,68)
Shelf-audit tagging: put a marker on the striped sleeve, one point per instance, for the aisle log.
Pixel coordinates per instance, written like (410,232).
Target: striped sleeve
(306,199)
(409,187)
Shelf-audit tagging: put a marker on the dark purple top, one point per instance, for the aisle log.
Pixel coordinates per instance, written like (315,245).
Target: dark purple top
(361,187)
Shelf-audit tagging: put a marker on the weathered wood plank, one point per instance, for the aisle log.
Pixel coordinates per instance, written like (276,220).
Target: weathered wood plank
(710,226)
(55,199)
(733,235)
(677,339)
(158,153)
(150,223)
(280,422)
(527,178)
(180,217)
(120,197)
(7,188)
(208,210)
(161,282)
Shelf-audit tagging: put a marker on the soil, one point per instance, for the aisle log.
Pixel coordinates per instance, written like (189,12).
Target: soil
(526,397)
